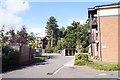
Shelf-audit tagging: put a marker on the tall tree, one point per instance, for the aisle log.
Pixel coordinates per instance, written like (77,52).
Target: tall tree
(61,32)
(71,36)
(76,36)
(52,31)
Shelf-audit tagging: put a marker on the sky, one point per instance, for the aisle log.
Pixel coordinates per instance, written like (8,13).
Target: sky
(34,15)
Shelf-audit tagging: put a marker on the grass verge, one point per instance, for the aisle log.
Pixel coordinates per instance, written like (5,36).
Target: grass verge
(103,66)
(82,60)
(39,58)
(99,65)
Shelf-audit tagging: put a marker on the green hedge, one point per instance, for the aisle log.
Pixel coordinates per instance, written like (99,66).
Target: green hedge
(10,58)
(81,58)
(49,49)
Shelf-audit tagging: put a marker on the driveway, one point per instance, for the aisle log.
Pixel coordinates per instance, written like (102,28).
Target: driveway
(58,66)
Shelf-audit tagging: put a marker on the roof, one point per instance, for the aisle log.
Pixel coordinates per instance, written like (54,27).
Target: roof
(113,4)
(117,4)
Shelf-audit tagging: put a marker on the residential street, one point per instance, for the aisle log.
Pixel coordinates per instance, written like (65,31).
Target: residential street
(58,66)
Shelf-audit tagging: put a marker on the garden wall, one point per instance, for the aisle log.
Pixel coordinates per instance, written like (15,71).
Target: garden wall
(25,54)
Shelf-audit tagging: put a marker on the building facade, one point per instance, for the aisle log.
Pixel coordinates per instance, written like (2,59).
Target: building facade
(104,30)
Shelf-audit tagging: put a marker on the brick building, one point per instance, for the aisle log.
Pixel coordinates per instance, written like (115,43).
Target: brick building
(104,28)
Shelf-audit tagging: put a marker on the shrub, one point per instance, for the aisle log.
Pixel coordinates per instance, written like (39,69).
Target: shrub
(49,49)
(9,58)
(85,50)
(81,56)
(81,59)
(80,62)
(55,49)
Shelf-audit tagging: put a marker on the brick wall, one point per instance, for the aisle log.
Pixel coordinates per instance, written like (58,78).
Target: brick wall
(109,38)
(25,54)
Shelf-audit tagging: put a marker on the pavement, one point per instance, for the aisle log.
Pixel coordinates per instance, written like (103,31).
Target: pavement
(58,66)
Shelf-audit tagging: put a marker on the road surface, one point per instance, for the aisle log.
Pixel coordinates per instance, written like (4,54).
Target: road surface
(58,66)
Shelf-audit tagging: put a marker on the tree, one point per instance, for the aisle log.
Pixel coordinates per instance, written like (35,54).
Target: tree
(61,32)
(13,36)
(52,31)
(31,37)
(22,36)
(71,35)
(76,36)
(60,44)
(3,36)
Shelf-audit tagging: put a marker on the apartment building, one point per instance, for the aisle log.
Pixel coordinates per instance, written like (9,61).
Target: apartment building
(104,31)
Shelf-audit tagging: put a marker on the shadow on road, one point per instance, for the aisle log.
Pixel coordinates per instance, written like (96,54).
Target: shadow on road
(42,62)
(30,64)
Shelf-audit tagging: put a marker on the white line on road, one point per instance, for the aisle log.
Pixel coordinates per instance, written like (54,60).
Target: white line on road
(58,70)
(102,74)
(70,63)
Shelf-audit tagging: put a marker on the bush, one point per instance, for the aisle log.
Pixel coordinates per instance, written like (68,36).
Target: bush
(49,49)
(81,59)
(84,50)
(55,49)
(81,56)
(80,62)
(10,57)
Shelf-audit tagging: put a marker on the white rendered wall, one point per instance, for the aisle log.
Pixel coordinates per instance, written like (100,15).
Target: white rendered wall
(108,12)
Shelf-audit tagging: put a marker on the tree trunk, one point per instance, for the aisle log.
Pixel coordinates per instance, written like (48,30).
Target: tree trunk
(52,39)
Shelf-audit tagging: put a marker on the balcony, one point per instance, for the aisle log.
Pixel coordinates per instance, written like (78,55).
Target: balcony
(95,36)
(94,22)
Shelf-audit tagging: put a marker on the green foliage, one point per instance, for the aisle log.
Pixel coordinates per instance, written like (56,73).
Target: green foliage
(80,62)
(55,49)
(104,66)
(49,49)
(81,59)
(60,44)
(39,58)
(31,37)
(84,50)
(52,31)
(9,58)
(76,37)
(81,56)
(35,44)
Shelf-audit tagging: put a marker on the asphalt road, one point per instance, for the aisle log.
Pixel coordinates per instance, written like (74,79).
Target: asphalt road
(58,67)
(41,69)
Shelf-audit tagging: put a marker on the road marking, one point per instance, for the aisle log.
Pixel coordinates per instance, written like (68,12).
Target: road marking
(58,70)
(102,74)
(66,64)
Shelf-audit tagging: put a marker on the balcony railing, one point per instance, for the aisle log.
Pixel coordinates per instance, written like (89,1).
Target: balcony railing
(94,21)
